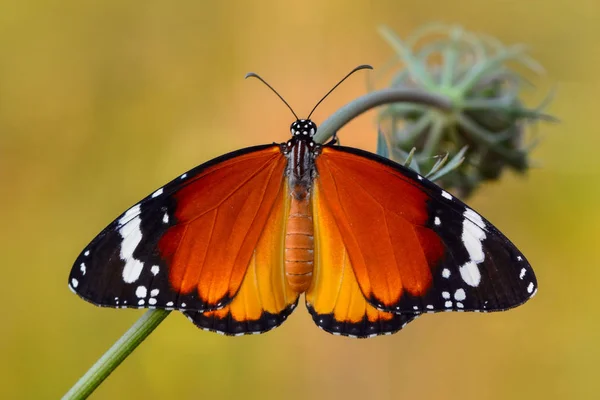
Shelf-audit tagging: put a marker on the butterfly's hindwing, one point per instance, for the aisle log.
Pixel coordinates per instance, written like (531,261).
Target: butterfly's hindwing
(334,298)
(265,299)
(363,328)
(224,322)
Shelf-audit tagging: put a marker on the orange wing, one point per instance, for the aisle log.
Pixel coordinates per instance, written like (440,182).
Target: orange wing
(381,216)
(413,247)
(220,217)
(334,298)
(189,245)
(265,299)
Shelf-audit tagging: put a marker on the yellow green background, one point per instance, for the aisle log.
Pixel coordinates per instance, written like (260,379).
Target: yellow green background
(102,102)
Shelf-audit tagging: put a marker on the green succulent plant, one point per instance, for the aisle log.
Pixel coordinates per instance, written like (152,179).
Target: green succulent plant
(485,129)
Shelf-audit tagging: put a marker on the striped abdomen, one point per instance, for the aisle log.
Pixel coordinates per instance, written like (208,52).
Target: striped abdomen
(299,247)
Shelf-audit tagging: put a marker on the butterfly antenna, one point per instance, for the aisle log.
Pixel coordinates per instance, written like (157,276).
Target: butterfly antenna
(253,75)
(365,66)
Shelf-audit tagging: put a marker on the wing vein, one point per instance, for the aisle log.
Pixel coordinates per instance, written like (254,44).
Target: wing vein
(238,187)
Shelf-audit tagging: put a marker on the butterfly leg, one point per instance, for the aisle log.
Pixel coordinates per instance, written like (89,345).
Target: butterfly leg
(334,140)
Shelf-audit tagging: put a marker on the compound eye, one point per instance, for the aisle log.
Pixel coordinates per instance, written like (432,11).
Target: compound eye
(296,129)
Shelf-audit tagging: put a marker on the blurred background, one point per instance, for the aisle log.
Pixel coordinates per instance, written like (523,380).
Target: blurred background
(102,102)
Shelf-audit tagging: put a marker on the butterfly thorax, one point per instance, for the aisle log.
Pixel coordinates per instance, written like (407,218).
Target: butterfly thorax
(300,151)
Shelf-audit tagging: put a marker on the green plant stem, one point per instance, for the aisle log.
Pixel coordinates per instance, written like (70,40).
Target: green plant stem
(152,318)
(377,98)
(116,354)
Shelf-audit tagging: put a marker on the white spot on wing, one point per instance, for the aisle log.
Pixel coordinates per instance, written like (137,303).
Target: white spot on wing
(470,274)
(130,214)
(183,176)
(82,268)
(157,193)
(170,304)
(154,292)
(87,253)
(141,302)
(437,221)
(74,282)
(446,295)
(530,287)
(132,236)
(166,218)
(473,216)
(446,195)
(446,273)
(472,236)
(132,270)
(448,304)
(141,291)
(155,269)
(522,274)
(460,294)
(152,301)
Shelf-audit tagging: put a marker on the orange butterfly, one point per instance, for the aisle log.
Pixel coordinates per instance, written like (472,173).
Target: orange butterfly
(235,241)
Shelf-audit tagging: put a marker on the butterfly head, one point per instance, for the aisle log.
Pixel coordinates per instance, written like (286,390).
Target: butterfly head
(303,127)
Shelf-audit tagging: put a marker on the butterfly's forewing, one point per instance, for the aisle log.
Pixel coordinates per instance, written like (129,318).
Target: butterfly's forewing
(189,244)
(265,299)
(414,247)
(334,298)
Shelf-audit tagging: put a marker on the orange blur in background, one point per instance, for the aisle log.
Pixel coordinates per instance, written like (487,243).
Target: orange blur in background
(101,103)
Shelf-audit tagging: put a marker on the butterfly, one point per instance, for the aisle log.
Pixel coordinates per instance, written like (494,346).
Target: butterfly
(234,242)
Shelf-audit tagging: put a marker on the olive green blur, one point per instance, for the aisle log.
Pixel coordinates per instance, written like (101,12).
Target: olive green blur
(103,102)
